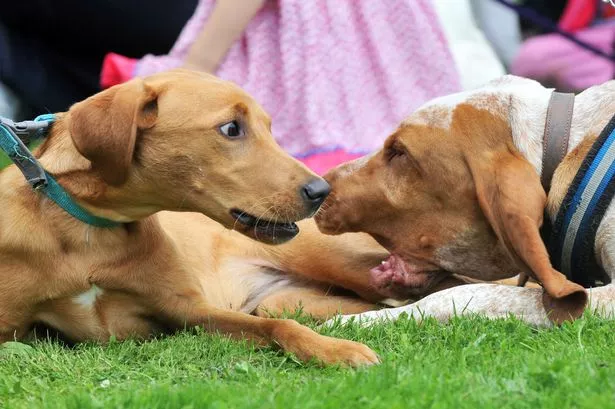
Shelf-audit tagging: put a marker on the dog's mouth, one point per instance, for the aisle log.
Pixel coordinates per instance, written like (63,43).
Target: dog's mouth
(264,230)
(399,279)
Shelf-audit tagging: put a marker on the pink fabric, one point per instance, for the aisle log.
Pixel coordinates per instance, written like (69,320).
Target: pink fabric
(552,58)
(336,76)
(116,69)
(321,162)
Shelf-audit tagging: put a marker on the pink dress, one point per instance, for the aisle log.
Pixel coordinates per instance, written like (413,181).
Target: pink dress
(337,76)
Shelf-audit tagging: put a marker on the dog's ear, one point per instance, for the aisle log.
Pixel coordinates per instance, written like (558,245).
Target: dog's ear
(513,201)
(104,127)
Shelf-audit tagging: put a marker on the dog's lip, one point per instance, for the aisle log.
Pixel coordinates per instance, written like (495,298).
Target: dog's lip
(264,230)
(399,264)
(398,278)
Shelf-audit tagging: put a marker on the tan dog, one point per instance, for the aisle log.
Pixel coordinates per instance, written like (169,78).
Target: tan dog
(456,189)
(187,142)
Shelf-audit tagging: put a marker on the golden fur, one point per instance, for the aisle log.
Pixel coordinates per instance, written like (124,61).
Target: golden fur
(131,154)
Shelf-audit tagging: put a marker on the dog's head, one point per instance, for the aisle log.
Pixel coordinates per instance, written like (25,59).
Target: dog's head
(450,193)
(187,141)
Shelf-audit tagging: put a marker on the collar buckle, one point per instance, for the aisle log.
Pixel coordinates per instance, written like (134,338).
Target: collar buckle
(20,154)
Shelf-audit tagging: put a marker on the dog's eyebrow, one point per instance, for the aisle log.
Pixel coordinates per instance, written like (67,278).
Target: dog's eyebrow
(394,142)
(392,139)
(240,108)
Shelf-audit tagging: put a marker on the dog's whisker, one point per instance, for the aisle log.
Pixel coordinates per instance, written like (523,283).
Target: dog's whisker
(321,211)
(275,221)
(270,198)
(181,203)
(260,217)
(244,212)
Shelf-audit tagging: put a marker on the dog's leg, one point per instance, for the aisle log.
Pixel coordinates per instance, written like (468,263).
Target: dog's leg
(490,300)
(344,261)
(313,301)
(522,279)
(321,305)
(11,334)
(13,325)
(288,334)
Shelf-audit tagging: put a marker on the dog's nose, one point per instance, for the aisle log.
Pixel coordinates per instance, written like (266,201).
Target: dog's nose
(315,192)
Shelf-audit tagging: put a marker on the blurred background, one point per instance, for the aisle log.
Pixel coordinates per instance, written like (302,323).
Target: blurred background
(335,75)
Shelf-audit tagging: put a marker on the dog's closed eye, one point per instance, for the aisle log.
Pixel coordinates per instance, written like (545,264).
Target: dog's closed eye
(397,154)
(395,151)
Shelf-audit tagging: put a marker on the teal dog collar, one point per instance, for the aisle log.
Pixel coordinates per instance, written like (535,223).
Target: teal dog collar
(37,177)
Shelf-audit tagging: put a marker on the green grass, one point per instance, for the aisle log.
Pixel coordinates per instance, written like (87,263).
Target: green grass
(4,160)
(468,363)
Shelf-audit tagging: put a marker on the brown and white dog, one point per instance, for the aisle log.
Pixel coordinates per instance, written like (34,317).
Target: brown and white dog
(185,142)
(456,189)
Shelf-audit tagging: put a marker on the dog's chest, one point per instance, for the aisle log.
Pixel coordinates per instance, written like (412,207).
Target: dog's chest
(88,298)
(98,314)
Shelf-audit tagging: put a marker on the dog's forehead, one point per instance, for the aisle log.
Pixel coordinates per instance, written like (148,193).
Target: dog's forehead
(352,166)
(210,94)
(492,97)
(210,89)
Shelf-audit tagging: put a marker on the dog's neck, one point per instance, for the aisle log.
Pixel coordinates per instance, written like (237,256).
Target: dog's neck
(523,103)
(59,157)
(593,109)
(57,154)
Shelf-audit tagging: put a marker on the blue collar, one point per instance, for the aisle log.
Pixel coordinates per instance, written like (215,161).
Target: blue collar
(37,177)
(573,235)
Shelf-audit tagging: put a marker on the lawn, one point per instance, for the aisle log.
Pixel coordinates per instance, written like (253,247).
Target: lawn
(468,363)
(4,160)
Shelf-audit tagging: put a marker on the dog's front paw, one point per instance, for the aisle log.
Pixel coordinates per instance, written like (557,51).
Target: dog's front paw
(307,345)
(346,353)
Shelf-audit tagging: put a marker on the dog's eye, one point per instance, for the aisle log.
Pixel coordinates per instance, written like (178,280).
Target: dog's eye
(231,130)
(398,157)
(394,152)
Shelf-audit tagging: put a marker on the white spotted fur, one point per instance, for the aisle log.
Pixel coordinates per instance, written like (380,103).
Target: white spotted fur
(88,298)
(488,300)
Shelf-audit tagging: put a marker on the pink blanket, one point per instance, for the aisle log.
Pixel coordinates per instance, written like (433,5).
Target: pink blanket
(336,76)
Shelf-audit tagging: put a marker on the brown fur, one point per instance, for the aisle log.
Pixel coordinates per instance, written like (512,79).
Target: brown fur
(146,146)
(460,200)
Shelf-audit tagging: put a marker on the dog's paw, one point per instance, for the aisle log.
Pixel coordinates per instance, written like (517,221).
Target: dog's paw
(346,353)
(307,345)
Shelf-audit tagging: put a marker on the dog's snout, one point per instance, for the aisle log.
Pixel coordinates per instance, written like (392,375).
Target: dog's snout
(315,192)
